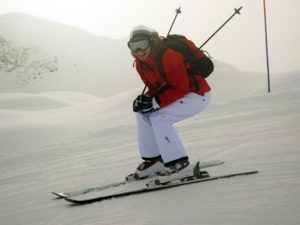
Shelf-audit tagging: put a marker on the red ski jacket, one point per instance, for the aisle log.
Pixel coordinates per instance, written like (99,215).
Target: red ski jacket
(175,84)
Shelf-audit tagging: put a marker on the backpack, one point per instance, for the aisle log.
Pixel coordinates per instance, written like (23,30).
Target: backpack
(196,62)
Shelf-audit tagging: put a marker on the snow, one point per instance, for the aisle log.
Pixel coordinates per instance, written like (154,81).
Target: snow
(65,140)
(47,56)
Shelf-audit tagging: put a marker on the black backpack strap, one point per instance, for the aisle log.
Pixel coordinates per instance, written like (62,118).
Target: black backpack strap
(159,60)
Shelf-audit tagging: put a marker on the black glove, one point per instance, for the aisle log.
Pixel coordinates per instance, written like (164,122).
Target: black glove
(143,104)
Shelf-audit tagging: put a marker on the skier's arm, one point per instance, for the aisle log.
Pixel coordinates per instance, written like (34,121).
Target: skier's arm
(176,77)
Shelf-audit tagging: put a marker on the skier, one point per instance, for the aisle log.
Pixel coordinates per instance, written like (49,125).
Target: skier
(170,98)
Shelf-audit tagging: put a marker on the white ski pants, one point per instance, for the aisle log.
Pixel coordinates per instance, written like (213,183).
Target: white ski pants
(156,134)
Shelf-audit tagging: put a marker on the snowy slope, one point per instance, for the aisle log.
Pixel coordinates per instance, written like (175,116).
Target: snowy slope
(55,137)
(75,145)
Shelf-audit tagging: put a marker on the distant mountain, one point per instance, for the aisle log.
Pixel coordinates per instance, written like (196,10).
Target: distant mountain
(38,55)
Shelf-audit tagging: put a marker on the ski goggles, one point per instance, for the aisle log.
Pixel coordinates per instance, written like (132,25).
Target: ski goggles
(139,45)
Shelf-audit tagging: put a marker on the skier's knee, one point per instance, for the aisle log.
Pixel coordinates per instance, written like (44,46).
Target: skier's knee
(158,117)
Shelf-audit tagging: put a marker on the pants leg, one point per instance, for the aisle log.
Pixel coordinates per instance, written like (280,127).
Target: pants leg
(155,129)
(147,142)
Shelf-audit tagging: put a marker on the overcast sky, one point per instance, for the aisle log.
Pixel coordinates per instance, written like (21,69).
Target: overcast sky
(241,43)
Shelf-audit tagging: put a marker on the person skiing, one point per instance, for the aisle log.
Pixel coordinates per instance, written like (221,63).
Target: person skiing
(170,98)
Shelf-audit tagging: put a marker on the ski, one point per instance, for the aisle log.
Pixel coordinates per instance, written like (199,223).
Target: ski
(88,190)
(156,187)
(204,164)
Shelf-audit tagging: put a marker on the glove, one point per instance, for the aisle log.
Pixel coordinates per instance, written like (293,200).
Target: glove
(144,104)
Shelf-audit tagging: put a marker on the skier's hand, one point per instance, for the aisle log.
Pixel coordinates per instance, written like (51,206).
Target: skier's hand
(144,104)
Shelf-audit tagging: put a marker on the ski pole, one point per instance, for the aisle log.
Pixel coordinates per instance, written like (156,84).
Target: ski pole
(236,11)
(143,92)
(159,89)
(178,11)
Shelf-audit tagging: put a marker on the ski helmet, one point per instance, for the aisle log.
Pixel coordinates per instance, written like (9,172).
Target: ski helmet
(141,33)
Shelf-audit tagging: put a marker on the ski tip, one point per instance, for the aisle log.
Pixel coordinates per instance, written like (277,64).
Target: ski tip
(80,202)
(217,162)
(71,200)
(59,194)
(253,172)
